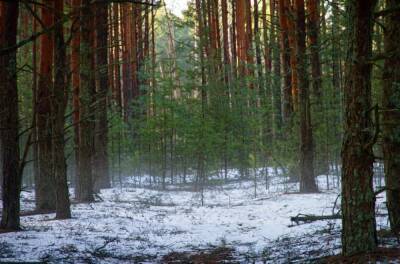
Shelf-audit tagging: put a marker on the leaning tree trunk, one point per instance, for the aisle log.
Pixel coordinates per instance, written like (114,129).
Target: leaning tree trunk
(358,200)
(11,184)
(391,114)
(59,103)
(306,166)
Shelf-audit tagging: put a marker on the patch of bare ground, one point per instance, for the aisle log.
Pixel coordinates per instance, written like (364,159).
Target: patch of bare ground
(381,255)
(4,231)
(212,256)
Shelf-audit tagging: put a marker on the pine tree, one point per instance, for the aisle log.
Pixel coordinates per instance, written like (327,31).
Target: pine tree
(306,167)
(84,183)
(391,114)
(358,199)
(287,100)
(9,119)
(58,106)
(75,80)
(101,176)
(46,196)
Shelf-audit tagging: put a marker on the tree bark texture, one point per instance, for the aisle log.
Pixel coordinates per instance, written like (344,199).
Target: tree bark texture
(358,199)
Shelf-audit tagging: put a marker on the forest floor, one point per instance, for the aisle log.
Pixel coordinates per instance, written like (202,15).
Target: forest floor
(143,225)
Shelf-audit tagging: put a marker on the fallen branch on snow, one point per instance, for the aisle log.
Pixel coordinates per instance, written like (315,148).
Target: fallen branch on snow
(303,218)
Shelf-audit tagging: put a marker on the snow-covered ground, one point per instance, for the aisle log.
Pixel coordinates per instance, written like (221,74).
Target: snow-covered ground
(138,225)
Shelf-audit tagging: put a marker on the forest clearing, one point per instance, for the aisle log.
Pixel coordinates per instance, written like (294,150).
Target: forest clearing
(238,223)
(137,223)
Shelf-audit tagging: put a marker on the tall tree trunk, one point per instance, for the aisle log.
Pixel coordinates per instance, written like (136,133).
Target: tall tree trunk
(153,61)
(201,42)
(35,149)
(101,176)
(292,35)
(135,49)
(277,101)
(391,114)
(225,40)
(287,101)
(110,54)
(75,46)
(336,73)
(146,38)
(116,54)
(11,184)
(257,40)
(138,26)
(249,39)
(46,184)
(267,44)
(129,61)
(214,36)
(313,36)
(307,181)
(358,199)
(313,28)
(242,48)
(268,126)
(234,42)
(59,103)
(84,188)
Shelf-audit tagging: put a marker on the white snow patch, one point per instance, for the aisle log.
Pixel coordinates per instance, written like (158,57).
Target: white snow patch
(139,221)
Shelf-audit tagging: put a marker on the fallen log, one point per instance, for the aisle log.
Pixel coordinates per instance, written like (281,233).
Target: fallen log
(303,218)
